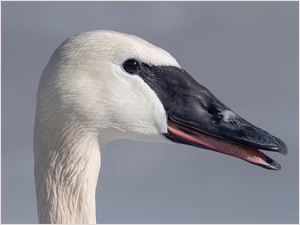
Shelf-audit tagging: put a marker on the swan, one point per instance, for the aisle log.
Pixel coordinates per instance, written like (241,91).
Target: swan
(102,85)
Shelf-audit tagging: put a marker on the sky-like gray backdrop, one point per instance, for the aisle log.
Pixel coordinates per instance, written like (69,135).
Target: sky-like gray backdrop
(245,53)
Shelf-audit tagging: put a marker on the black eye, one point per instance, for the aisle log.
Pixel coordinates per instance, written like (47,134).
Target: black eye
(131,66)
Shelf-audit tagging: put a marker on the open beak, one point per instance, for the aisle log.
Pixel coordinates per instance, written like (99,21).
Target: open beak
(202,120)
(248,152)
(196,117)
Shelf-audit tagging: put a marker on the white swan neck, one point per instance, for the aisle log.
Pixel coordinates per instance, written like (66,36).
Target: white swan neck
(66,180)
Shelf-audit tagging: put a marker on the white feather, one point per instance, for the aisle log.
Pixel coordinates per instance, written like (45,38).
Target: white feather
(85,99)
(227,115)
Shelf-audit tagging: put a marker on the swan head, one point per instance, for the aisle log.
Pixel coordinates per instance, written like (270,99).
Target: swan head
(114,85)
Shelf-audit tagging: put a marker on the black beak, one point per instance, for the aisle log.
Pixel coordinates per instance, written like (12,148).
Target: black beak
(196,117)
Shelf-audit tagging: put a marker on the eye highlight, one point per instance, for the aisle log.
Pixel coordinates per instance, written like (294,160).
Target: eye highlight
(131,66)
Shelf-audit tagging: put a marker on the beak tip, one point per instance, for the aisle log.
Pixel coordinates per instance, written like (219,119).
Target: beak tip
(282,147)
(275,165)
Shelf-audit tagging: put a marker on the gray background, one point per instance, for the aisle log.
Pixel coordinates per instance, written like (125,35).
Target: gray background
(245,53)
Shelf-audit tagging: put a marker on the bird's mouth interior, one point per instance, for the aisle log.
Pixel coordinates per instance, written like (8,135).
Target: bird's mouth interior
(248,154)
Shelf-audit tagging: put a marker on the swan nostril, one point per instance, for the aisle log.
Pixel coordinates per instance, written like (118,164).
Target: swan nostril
(219,114)
(233,122)
(226,116)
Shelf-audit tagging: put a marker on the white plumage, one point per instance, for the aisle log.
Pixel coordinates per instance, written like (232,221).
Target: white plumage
(85,99)
(102,85)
